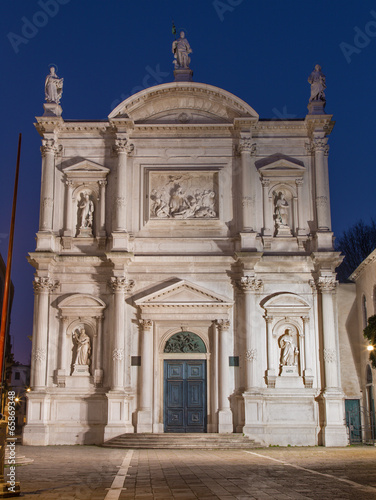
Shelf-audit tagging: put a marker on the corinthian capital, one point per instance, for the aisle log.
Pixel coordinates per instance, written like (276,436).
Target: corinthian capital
(45,285)
(250,283)
(247,146)
(146,324)
(121,284)
(320,144)
(122,146)
(327,283)
(50,146)
(223,324)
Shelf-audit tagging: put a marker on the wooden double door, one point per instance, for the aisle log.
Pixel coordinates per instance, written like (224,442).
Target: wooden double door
(185,406)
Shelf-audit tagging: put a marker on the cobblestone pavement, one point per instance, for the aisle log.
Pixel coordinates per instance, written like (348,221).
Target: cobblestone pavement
(94,473)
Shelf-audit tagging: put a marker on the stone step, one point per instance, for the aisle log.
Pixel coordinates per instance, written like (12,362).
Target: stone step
(187,441)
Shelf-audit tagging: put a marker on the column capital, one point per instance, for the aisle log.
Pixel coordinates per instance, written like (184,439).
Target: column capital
(320,144)
(146,324)
(69,183)
(121,284)
(246,146)
(102,183)
(223,324)
(268,319)
(250,284)
(265,182)
(299,181)
(122,145)
(50,146)
(45,284)
(327,284)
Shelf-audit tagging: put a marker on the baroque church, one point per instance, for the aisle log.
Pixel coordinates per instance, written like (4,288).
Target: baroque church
(185,271)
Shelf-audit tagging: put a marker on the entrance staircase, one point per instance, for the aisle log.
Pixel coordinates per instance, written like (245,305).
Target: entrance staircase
(187,441)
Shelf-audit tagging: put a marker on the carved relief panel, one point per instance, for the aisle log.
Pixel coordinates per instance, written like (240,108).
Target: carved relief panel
(183,195)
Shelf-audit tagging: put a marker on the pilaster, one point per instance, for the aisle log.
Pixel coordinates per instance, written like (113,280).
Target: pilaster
(225,418)
(144,415)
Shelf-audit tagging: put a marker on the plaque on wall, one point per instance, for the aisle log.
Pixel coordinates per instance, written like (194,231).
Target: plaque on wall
(183,195)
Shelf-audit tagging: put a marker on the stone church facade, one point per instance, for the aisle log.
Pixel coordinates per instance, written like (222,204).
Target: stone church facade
(185,274)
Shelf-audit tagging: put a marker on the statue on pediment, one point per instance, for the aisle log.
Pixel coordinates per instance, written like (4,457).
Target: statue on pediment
(317,81)
(181,50)
(53,87)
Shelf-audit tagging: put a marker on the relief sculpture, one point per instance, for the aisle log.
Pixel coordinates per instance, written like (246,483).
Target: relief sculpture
(183,196)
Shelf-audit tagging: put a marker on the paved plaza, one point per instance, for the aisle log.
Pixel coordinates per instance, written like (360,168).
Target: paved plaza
(90,472)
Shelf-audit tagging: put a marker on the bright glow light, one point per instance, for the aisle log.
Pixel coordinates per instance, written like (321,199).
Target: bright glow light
(28,389)
(370,348)
(16,399)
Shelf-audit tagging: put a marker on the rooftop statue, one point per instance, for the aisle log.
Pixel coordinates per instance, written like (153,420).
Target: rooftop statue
(317,81)
(181,50)
(53,87)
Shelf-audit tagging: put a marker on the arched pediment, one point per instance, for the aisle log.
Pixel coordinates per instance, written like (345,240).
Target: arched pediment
(183,102)
(81,305)
(285,304)
(86,169)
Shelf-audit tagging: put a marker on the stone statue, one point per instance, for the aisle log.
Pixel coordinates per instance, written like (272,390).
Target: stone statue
(317,81)
(53,87)
(289,349)
(281,210)
(181,50)
(85,211)
(82,341)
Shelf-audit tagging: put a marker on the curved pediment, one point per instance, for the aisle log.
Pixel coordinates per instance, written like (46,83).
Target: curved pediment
(80,304)
(181,103)
(285,303)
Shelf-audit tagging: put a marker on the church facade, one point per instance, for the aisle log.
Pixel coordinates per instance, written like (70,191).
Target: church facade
(185,274)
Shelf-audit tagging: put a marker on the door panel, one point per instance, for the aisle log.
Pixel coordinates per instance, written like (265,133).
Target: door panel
(185,396)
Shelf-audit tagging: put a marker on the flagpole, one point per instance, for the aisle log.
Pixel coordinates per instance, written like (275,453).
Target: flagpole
(4,313)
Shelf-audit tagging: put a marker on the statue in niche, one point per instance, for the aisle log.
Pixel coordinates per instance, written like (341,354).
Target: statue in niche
(281,208)
(82,340)
(181,50)
(53,87)
(289,349)
(317,81)
(85,213)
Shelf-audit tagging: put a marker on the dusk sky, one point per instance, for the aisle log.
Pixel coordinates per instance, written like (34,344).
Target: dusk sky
(263,52)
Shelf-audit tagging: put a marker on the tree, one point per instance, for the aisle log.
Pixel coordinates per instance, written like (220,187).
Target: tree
(370,334)
(356,243)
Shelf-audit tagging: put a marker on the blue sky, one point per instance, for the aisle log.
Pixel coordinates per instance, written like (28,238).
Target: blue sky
(261,51)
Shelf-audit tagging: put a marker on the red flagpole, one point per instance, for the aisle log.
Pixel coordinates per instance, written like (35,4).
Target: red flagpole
(4,314)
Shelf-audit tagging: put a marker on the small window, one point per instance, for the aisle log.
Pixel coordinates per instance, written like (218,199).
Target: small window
(17,376)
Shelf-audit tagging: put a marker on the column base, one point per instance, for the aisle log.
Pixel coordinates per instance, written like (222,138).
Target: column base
(144,421)
(225,424)
(119,415)
(334,431)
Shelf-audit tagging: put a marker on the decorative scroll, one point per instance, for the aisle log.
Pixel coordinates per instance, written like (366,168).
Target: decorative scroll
(185,342)
(183,195)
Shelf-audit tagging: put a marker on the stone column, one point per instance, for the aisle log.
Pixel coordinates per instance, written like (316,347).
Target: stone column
(120,286)
(321,149)
(48,150)
(61,373)
(144,415)
(102,214)
(271,372)
(300,222)
(267,231)
(122,148)
(327,285)
(308,372)
(224,412)
(246,148)
(250,285)
(334,429)
(98,371)
(68,209)
(42,287)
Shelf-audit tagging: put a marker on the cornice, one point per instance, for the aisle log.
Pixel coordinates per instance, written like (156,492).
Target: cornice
(359,270)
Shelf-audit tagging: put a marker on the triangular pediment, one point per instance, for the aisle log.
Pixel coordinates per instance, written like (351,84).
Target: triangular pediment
(182,293)
(183,103)
(84,167)
(279,164)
